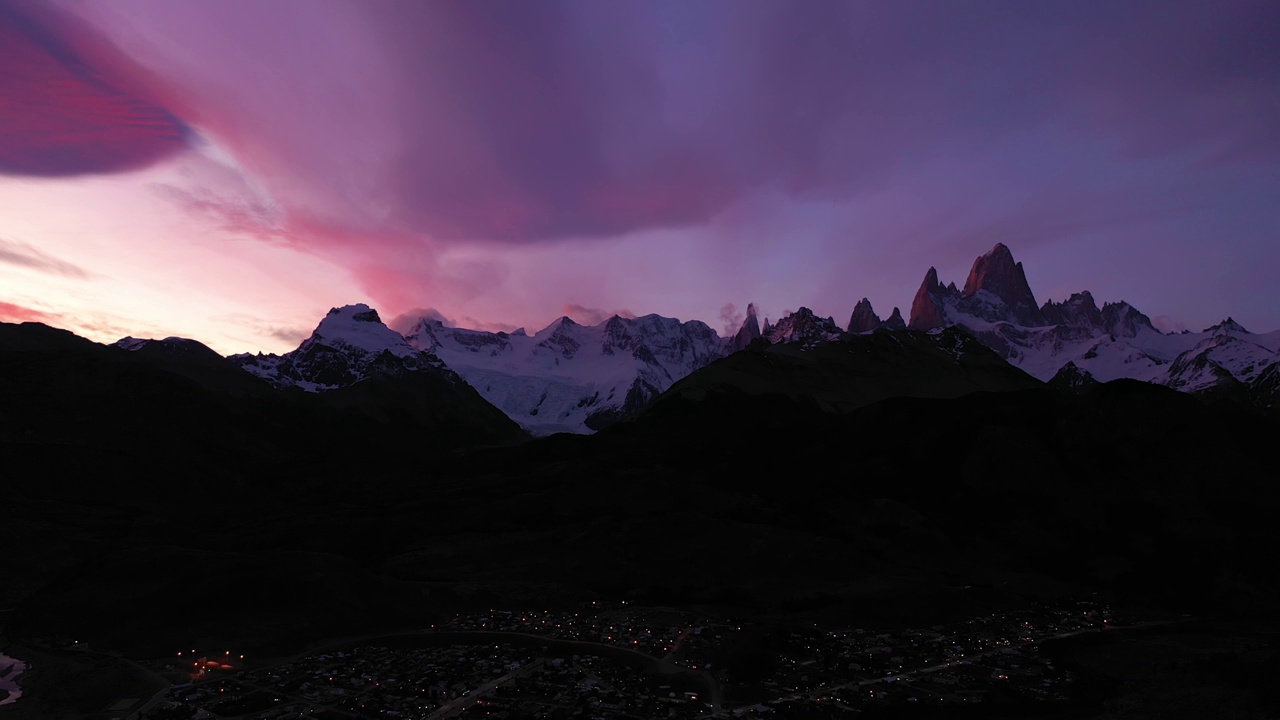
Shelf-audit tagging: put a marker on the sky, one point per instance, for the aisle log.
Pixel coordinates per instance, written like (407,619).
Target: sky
(228,170)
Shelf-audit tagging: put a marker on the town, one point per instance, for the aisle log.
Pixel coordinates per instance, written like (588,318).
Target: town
(619,661)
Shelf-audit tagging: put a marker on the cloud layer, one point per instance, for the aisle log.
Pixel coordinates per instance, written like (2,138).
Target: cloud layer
(23,255)
(502,160)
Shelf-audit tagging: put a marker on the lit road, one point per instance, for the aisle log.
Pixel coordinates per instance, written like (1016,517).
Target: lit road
(911,674)
(675,646)
(460,704)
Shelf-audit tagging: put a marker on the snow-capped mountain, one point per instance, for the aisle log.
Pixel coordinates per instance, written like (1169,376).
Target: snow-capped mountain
(352,370)
(349,345)
(575,378)
(1107,343)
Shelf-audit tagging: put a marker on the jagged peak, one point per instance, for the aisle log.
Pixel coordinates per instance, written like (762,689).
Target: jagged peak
(930,279)
(895,321)
(350,344)
(804,325)
(1228,325)
(926,310)
(864,318)
(1118,306)
(1000,275)
(563,322)
(1084,298)
(1122,319)
(749,331)
(1078,310)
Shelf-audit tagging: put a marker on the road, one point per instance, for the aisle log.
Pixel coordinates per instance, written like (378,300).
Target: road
(675,646)
(911,674)
(466,701)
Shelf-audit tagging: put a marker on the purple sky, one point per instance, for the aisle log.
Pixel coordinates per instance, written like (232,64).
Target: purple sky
(229,169)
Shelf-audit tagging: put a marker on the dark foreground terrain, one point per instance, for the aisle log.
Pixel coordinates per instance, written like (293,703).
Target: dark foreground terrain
(877,485)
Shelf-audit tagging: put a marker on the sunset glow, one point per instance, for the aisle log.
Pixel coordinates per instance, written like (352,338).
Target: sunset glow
(229,171)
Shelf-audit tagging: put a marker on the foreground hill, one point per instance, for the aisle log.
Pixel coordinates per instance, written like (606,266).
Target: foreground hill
(69,402)
(841,375)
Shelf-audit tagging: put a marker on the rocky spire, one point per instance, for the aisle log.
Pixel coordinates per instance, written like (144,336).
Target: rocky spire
(895,321)
(864,319)
(926,309)
(749,331)
(998,274)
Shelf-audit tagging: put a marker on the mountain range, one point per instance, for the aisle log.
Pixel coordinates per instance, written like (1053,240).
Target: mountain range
(571,377)
(577,378)
(1103,344)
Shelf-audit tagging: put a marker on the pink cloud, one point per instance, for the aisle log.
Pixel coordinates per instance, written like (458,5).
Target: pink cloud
(1165,323)
(19,314)
(731,319)
(23,255)
(405,321)
(59,115)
